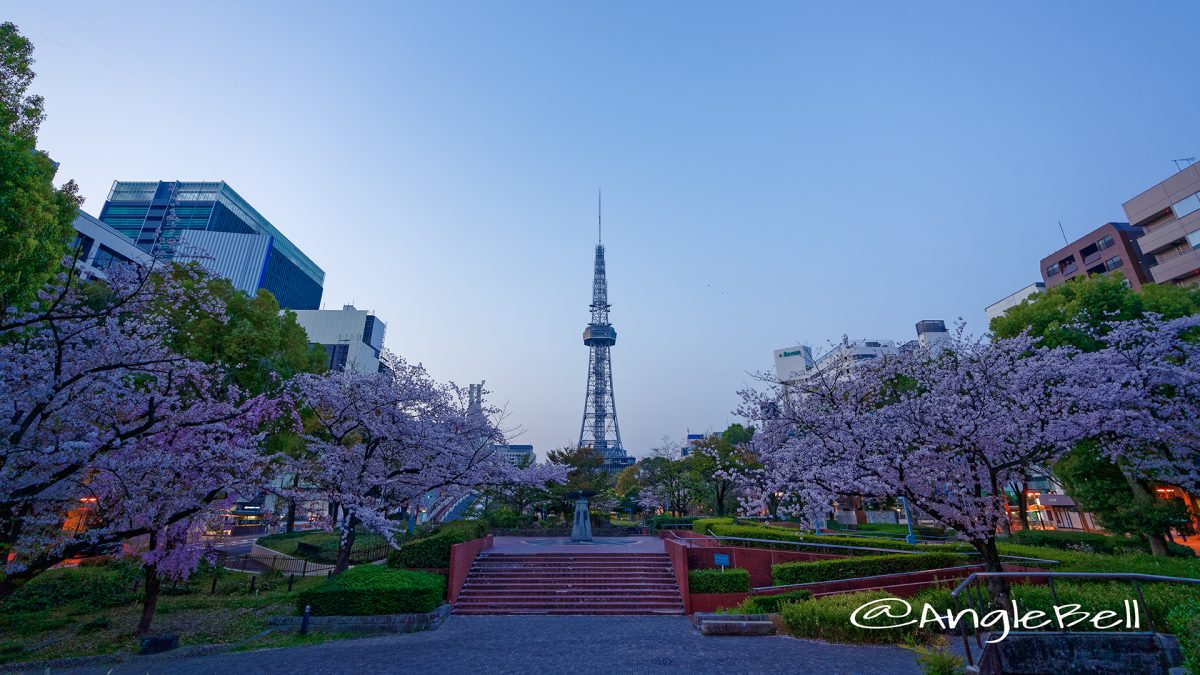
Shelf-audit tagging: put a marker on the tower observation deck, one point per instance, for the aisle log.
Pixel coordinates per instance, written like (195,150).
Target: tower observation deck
(599,429)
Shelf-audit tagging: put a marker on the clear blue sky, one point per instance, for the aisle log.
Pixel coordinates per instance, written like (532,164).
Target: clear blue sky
(772,173)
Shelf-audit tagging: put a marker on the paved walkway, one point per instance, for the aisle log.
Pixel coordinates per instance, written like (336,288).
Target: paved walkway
(565,545)
(547,644)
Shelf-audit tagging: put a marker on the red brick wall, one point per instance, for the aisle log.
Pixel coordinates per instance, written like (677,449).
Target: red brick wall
(757,561)
(678,553)
(462,556)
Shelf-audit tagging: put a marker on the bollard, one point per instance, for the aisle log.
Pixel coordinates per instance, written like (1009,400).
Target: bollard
(252,579)
(214,585)
(304,620)
(291,580)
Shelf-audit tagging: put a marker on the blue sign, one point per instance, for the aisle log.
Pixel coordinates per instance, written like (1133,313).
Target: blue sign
(721,559)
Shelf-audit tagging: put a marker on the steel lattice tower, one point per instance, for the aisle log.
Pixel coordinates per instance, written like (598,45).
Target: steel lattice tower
(599,429)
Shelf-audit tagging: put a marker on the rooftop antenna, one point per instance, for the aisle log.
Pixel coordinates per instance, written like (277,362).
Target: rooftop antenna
(1189,160)
(599,219)
(1064,232)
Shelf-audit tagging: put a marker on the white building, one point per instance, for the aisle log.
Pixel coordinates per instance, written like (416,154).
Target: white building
(514,454)
(100,247)
(353,338)
(1000,307)
(796,363)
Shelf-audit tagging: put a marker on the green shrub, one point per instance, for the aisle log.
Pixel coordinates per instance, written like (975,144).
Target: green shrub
(863,566)
(828,618)
(1184,624)
(937,659)
(770,604)
(1075,561)
(731,580)
(95,586)
(374,589)
(433,551)
(1092,542)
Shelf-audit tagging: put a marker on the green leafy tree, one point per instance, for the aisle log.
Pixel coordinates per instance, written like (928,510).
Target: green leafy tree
(721,461)
(1101,488)
(258,346)
(673,482)
(35,217)
(585,472)
(1056,317)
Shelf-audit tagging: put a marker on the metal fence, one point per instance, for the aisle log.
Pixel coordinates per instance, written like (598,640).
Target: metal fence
(970,594)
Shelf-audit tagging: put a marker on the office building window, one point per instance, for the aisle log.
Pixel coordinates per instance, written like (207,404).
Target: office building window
(1113,263)
(1186,205)
(1194,239)
(1104,243)
(1052,270)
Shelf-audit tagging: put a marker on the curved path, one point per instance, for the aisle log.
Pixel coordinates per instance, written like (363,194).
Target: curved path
(547,644)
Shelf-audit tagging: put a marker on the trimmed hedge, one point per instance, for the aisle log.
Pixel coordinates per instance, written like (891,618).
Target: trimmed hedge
(1093,542)
(828,618)
(657,522)
(863,566)
(769,604)
(433,551)
(732,580)
(374,589)
(726,527)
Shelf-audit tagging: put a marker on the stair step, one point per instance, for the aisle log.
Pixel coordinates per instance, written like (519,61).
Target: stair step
(570,583)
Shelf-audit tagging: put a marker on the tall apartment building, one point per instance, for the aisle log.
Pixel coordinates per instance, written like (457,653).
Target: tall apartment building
(352,337)
(209,223)
(1109,248)
(1169,216)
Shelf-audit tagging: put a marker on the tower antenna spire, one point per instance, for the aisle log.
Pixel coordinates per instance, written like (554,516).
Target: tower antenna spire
(599,216)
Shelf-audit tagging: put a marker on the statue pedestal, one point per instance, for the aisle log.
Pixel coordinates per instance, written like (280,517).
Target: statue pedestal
(582,529)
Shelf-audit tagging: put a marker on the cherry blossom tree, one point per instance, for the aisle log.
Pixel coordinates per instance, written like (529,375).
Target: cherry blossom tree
(108,436)
(386,439)
(947,429)
(1145,382)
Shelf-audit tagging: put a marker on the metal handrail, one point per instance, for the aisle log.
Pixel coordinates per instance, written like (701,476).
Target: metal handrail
(1136,577)
(812,544)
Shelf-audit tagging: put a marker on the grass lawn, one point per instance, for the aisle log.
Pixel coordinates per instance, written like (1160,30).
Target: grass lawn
(286,542)
(80,626)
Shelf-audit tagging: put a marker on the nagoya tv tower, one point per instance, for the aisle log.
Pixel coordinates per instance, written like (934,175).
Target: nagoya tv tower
(599,429)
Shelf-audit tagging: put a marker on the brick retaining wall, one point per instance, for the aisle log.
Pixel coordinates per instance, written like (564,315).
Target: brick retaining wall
(380,623)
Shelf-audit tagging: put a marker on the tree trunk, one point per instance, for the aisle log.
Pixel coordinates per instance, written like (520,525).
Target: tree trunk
(345,545)
(1023,504)
(998,587)
(149,600)
(719,496)
(291,512)
(1158,543)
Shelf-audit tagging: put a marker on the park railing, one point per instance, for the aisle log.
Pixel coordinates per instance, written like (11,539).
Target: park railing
(970,594)
(848,550)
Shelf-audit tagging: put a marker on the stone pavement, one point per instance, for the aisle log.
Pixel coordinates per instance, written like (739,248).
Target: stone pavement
(546,644)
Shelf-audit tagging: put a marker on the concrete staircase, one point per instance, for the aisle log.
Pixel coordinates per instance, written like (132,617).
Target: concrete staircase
(571,583)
